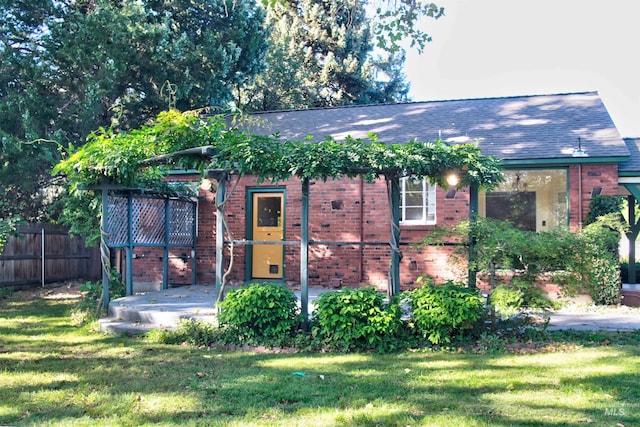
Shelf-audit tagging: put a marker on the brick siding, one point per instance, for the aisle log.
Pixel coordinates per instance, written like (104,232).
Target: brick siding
(346,210)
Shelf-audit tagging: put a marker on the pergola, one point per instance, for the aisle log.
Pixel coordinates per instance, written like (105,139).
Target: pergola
(392,177)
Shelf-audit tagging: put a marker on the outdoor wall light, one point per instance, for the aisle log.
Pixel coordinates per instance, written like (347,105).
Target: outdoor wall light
(453,179)
(206,184)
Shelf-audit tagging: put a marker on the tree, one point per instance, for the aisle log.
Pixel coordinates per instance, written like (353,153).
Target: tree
(398,20)
(321,55)
(68,67)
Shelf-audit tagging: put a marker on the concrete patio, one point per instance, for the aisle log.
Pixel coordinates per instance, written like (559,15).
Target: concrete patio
(164,309)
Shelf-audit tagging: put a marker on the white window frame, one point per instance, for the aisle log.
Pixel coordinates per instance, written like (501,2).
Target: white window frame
(428,203)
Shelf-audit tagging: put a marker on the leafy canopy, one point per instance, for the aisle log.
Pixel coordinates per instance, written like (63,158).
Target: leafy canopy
(117,155)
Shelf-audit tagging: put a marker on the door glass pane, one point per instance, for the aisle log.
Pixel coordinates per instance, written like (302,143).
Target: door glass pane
(269,211)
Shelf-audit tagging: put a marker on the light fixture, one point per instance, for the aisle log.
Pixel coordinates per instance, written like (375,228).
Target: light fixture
(579,152)
(206,184)
(453,179)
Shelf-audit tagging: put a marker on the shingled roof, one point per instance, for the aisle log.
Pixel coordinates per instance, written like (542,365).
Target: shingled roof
(521,128)
(632,166)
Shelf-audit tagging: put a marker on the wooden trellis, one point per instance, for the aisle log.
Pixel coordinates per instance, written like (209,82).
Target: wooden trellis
(136,218)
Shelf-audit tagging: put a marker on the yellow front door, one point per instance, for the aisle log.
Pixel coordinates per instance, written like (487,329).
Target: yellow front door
(268,224)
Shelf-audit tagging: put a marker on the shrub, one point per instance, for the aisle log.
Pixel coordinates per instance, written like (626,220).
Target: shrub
(510,298)
(443,312)
(358,319)
(593,266)
(605,281)
(262,312)
(190,331)
(92,295)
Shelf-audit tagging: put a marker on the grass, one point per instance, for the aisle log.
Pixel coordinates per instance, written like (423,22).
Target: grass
(52,373)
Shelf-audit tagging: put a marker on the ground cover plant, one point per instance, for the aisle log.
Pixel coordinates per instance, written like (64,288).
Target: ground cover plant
(53,373)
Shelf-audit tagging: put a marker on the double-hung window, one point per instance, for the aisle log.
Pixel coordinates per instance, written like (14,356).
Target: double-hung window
(417,201)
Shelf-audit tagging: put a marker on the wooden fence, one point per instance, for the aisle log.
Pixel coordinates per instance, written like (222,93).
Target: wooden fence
(45,253)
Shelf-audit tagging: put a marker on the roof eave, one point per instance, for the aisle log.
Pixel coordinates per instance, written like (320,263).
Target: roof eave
(562,161)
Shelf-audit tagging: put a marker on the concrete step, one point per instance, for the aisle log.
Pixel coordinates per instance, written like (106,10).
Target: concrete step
(121,327)
(140,313)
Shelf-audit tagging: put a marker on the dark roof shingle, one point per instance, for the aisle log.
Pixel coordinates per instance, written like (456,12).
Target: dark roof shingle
(512,128)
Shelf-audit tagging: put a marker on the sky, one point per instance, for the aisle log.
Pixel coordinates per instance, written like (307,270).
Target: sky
(496,48)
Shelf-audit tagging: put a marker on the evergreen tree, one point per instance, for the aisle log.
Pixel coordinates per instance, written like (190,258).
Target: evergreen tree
(68,67)
(321,54)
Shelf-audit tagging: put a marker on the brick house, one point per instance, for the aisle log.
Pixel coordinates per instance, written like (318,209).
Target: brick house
(558,151)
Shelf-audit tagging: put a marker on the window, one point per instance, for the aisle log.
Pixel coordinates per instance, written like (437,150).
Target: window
(533,199)
(417,201)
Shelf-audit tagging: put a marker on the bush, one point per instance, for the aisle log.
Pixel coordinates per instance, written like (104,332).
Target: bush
(262,313)
(441,313)
(92,295)
(605,281)
(596,267)
(510,298)
(190,331)
(358,319)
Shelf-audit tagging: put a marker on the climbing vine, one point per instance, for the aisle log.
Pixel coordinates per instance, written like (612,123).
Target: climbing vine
(118,155)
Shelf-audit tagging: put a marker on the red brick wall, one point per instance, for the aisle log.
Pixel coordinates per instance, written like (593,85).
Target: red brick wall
(582,180)
(336,209)
(353,211)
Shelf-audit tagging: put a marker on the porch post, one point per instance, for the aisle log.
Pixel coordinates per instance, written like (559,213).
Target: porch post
(194,244)
(393,182)
(632,236)
(129,257)
(221,181)
(165,259)
(473,215)
(304,255)
(105,254)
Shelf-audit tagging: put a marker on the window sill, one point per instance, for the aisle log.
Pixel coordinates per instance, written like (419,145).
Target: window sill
(417,227)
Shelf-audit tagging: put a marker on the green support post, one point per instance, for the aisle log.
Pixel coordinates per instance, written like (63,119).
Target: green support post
(394,275)
(129,276)
(304,255)
(473,215)
(105,257)
(221,190)
(632,236)
(165,257)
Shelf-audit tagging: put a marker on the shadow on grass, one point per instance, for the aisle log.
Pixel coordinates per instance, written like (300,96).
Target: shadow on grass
(51,372)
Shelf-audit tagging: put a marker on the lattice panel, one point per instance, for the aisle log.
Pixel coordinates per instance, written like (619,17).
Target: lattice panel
(148,221)
(117,221)
(181,223)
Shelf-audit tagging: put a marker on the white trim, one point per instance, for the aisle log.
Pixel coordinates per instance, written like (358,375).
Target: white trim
(428,203)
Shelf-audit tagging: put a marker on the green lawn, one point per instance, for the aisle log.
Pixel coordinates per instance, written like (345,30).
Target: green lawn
(52,373)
